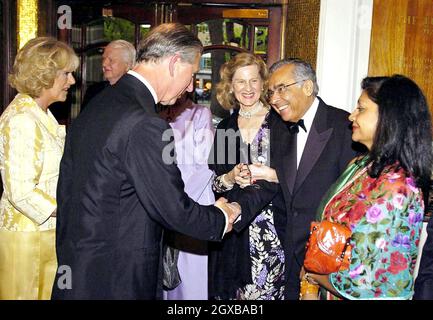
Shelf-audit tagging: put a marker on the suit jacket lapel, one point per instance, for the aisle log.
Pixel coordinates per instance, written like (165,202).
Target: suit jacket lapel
(283,153)
(290,161)
(317,139)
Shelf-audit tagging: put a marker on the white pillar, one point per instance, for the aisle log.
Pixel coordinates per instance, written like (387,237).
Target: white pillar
(343,50)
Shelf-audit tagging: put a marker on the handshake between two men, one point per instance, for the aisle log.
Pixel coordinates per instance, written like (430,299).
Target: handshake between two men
(232,209)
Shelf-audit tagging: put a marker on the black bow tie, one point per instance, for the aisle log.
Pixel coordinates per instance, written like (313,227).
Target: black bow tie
(294,126)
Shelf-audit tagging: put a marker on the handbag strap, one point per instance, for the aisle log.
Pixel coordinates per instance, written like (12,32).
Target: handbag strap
(345,247)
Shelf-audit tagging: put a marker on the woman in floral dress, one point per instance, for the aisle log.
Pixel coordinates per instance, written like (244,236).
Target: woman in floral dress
(379,195)
(249,263)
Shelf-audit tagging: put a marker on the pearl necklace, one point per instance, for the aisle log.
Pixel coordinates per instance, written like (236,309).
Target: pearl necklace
(252,111)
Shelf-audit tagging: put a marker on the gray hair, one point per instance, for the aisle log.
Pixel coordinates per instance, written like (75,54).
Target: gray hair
(128,51)
(302,71)
(168,39)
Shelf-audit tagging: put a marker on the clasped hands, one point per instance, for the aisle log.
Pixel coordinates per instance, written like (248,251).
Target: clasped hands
(245,175)
(233,210)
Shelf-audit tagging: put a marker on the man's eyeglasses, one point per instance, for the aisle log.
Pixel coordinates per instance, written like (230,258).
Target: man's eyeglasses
(281,89)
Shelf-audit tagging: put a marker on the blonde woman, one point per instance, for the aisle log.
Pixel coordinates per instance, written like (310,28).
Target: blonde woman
(31,146)
(248,264)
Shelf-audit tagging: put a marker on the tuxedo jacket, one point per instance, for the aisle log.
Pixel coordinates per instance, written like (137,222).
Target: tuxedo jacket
(424,280)
(116,194)
(93,91)
(327,152)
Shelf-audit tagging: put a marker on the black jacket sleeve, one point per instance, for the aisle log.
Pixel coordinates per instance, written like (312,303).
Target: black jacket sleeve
(424,281)
(162,188)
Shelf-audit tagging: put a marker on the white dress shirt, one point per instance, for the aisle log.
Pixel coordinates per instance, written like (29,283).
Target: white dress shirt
(302,135)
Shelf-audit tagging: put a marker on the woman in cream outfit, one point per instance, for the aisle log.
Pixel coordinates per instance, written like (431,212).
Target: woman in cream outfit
(31,146)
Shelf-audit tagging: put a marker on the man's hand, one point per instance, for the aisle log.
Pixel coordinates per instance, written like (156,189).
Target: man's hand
(233,210)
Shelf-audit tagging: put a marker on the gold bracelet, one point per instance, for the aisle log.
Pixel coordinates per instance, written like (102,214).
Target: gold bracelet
(308,288)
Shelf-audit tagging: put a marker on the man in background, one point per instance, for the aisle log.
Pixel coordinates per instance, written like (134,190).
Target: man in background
(118,58)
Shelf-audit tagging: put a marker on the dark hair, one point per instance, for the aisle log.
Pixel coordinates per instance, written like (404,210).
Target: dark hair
(404,130)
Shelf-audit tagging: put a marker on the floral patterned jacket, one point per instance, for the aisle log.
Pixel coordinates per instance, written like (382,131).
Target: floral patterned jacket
(385,215)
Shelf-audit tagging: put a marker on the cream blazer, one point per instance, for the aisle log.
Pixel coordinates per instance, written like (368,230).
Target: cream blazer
(31,147)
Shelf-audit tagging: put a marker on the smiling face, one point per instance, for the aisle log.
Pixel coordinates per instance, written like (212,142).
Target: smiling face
(290,97)
(247,85)
(364,121)
(113,64)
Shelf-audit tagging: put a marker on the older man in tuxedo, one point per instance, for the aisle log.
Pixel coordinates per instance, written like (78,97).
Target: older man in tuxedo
(117,192)
(311,147)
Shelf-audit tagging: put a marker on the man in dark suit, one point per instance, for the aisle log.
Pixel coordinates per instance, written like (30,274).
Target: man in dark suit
(424,280)
(118,58)
(311,147)
(118,187)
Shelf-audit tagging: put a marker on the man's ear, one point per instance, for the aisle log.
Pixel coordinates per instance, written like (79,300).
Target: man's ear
(175,58)
(308,88)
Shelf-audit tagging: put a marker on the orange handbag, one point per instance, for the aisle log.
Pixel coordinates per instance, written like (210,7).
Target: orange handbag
(328,248)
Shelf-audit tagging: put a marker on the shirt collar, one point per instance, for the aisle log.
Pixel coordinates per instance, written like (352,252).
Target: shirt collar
(309,115)
(146,83)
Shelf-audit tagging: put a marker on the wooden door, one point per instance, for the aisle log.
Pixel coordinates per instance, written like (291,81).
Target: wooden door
(401,41)
(226,29)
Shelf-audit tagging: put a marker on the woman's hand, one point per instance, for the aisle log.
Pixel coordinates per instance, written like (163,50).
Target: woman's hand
(309,287)
(240,174)
(302,273)
(320,279)
(260,171)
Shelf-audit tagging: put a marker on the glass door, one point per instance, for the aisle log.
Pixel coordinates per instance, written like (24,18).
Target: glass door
(225,31)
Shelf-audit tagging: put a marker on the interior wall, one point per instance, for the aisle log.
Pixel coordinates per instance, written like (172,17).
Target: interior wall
(343,50)
(302,29)
(402,38)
